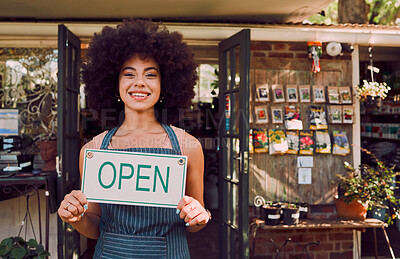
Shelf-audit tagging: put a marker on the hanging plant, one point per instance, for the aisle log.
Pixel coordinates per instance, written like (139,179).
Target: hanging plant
(372,89)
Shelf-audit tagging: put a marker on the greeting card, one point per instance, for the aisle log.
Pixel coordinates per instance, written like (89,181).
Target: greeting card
(318,94)
(262,93)
(305,96)
(335,114)
(341,144)
(293,142)
(276,113)
(333,94)
(306,142)
(348,113)
(322,142)
(278,142)
(345,94)
(291,93)
(260,140)
(261,115)
(279,96)
(292,118)
(317,118)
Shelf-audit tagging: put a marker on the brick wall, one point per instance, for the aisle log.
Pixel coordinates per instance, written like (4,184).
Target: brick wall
(333,243)
(320,244)
(289,50)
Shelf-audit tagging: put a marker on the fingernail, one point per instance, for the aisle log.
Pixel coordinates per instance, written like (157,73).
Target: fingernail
(178,211)
(85,206)
(187,224)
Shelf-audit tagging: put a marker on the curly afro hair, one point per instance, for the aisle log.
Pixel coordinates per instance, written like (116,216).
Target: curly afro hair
(110,48)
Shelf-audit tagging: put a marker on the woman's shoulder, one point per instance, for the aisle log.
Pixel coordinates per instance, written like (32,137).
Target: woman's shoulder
(188,142)
(96,141)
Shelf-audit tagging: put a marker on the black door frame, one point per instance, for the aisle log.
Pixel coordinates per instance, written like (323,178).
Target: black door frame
(69,51)
(234,166)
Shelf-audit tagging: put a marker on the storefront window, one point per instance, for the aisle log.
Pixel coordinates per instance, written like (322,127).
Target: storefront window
(28,80)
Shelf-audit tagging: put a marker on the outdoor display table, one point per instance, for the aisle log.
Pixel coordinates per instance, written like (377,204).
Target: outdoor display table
(328,224)
(14,186)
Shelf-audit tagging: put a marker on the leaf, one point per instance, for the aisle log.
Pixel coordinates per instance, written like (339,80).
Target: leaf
(18,253)
(4,250)
(39,248)
(7,241)
(32,243)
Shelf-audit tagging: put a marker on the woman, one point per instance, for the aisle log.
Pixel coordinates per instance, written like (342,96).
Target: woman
(149,73)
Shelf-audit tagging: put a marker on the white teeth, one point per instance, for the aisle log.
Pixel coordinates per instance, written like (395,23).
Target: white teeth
(139,95)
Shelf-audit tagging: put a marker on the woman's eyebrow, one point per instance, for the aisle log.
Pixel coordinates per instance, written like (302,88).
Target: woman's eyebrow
(146,69)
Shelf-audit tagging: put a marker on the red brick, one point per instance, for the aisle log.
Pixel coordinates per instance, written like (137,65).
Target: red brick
(290,247)
(321,237)
(280,238)
(301,55)
(260,249)
(280,55)
(260,45)
(295,256)
(298,46)
(319,216)
(280,46)
(306,238)
(347,245)
(322,255)
(258,54)
(340,236)
(344,255)
(325,246)
(323,208)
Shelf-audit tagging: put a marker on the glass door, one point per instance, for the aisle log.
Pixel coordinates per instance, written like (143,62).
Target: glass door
(68,133)
(234,67)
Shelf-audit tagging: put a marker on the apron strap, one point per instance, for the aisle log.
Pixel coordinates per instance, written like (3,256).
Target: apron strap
(107,138)
(173,138)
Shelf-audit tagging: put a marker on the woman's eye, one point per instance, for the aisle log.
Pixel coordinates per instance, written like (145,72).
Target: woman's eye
(151,75)
(129,74)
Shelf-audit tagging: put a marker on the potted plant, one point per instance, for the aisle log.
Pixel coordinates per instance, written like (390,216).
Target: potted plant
(290,214)
(271,213)
(18,248)
(366,188)
(372,93)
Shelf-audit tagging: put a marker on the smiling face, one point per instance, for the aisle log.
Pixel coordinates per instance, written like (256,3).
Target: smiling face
(140,84)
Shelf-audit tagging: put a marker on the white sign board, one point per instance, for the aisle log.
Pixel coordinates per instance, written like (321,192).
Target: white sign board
(305,176)
(305,161)
(146,179)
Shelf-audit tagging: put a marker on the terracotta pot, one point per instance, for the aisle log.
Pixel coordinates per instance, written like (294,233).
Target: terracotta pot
(353,210)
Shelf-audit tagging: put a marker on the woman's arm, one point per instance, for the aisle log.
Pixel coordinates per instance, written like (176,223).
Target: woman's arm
(75,203)
(191,206)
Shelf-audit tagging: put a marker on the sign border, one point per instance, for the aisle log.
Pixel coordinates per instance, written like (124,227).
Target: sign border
(133,153)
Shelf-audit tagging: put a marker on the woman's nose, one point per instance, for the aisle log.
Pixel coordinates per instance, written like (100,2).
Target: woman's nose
(139,81)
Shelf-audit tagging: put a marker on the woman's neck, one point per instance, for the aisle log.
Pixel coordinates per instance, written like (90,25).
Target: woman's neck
(135,121)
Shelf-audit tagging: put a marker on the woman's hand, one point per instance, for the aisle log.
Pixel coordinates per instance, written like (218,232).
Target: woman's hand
(73,206)
(192,212)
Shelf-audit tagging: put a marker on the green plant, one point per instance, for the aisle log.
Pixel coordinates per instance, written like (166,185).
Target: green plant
(373,89)
(372,185)
(18,248)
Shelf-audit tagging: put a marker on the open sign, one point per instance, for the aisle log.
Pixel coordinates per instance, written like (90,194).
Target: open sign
(121,177)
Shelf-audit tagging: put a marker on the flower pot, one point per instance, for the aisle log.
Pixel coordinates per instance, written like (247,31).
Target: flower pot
(271,215)
(303,208)
(25,162)
(353,210)
(291,216)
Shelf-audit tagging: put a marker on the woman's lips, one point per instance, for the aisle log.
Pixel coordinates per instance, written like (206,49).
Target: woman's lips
(139,95)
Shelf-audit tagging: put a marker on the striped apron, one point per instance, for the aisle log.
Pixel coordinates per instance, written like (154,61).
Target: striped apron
(130,231)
